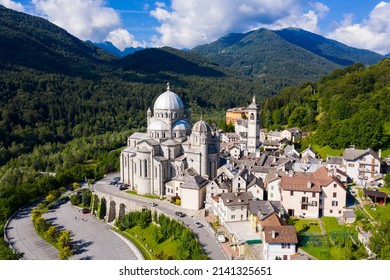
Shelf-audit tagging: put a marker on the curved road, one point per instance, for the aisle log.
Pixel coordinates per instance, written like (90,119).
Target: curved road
(92,238)
(205,234)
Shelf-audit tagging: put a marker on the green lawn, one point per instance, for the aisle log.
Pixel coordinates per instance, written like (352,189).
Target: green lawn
(307,226)
(377,211)
(164,250)
(326,151)
(146,195)
(311,239)
(331,225)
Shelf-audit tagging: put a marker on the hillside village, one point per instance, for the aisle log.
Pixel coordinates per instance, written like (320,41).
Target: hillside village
(260,184)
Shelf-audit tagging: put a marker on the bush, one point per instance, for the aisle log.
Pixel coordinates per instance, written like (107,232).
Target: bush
(76,199)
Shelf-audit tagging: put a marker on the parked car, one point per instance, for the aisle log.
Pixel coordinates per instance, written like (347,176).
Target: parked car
(180,214)
(152,204)
(221,238)
(198,224)
(85,211)
(123,187)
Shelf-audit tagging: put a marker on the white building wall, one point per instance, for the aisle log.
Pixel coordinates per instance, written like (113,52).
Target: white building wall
(273,250)
(334,200)
(192,199)
(293,200)
(235,213)
(273,189)
(257,192)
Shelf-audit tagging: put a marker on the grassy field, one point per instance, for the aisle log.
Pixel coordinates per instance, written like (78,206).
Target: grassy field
(334,245)
(378,211)
(326,151)
(164,250)
(307,226)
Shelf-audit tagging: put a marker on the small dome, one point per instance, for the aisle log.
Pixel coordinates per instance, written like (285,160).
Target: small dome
(202,127)
(158,125)
(181,125)
(168,101)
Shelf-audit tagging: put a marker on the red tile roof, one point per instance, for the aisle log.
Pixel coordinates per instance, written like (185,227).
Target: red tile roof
(310,182)
(280,234)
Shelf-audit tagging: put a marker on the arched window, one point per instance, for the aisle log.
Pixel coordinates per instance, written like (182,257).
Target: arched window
(252,116)
(146,168)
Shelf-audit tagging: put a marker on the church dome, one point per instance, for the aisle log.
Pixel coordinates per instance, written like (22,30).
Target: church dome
(158,125)
(202,127)
(168,101)
(181,125)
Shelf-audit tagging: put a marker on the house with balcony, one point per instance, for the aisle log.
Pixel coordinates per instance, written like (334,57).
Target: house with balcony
(361,165)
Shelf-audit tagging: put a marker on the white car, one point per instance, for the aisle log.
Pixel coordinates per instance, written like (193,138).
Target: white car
(221,238)
(198,224)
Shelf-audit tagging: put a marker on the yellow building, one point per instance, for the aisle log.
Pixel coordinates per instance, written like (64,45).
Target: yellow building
(234,114)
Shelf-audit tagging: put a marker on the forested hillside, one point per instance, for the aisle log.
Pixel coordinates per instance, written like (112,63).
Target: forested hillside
(350,106)
(55,87)
(283,57)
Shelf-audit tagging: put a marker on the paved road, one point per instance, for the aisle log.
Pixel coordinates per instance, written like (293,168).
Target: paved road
(22,236)
(92,238)
(205,234)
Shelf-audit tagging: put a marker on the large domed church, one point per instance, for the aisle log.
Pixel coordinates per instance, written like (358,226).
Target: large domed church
(171,159)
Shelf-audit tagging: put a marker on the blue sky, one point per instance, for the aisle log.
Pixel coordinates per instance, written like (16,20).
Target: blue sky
(188,23)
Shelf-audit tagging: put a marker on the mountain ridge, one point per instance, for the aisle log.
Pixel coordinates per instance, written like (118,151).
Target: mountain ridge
(263,52)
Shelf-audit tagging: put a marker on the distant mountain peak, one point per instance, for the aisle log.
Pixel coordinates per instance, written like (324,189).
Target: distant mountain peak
(110,47)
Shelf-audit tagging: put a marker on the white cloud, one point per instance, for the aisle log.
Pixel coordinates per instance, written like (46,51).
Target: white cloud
(85,19)
(299,19)
(12,5)
(320,8)
(122,39)
(192,22)
(372,33)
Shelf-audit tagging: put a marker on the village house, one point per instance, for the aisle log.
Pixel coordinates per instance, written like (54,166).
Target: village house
(292,134)
(279,239)
(279,242)
(290,151)
(313,195)
(232,206)
(220,184)
(258,211)
(362,165)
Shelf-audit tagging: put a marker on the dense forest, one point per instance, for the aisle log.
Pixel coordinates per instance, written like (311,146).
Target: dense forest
(67,106)
(350,106)
(55,87)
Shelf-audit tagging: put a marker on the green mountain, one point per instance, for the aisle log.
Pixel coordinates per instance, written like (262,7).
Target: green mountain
(347,107)
(331,50)
(55,87)
(33,42)
(287,56)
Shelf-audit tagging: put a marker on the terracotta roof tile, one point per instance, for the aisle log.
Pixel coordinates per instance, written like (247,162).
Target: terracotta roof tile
(280,234)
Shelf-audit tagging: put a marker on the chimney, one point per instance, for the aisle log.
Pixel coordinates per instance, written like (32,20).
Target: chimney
(273,234)
(309,185)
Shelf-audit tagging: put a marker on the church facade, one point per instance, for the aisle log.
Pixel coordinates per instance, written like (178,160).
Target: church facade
(171,156)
